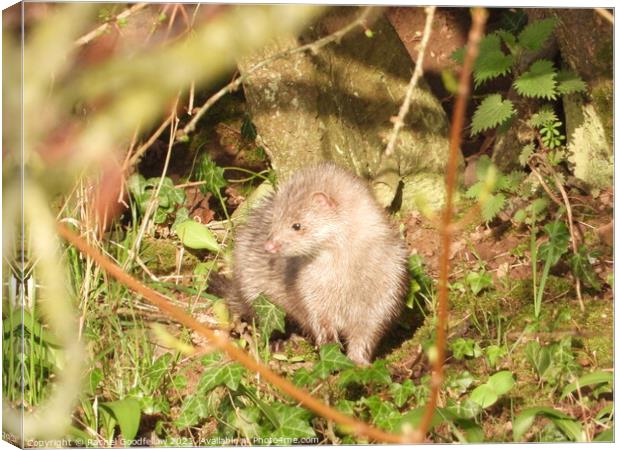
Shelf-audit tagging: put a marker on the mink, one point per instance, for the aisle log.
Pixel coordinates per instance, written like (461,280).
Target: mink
(323,249)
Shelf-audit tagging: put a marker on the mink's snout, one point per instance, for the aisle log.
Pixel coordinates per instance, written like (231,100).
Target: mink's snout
(272,246)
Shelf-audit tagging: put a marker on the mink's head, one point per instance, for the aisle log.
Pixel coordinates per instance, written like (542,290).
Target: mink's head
(303,222)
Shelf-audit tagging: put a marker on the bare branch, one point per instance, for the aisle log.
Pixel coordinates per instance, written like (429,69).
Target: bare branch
(399,122)
(85,39)
(234,85)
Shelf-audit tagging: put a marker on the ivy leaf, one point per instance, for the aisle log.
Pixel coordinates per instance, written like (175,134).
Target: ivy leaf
(303,378)
(557,244)
(211,174)
(539,81)
(294,421)
(581,267)
(331,360)
(536,34)
(492,205)
(492,112)
(402,392)
(491,65)
(384,414)
(229,374)
(569,82)
(270,316)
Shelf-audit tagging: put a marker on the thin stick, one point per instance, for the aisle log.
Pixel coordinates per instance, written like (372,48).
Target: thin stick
(399,121)
(479,17)
(605,14)
(545,186)
(85,39)
(573,241)
(144,147)
(220,341)
(234,85)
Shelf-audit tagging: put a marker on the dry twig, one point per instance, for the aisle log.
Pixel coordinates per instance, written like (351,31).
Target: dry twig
(85,39)
(399,121)
(234,85)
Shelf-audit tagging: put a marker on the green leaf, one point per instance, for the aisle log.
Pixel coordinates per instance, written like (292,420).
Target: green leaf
(215,375)
(526,154)
(127,413)
(544,116)
(462,347)
(478,281)
(558,242)
(303,377)
(466,409)
(509,39)
(195,235)
(536,34)
(501,382)
(513,20)
(590,379)
(605,436)
(294,421)
(582,268)
(248,130)
(473,431)
(384,414)
(525,419)
(539,357)
(494,353)
(211,174)
(157,371)
(331,360)
(569,82)
(402,392)
(491,65)
(539,81)
(193,409)
(492,205)
(270,316)
(492,112)
(484,395)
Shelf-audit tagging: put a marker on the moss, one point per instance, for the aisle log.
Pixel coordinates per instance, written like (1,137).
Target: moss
(160,256)
(602,94)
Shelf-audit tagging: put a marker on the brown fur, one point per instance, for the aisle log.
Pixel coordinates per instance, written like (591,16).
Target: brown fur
(341,274)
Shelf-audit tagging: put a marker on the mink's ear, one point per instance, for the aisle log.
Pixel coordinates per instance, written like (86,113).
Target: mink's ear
(323,200)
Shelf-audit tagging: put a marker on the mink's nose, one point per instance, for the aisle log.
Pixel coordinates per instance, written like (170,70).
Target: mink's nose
(272,246)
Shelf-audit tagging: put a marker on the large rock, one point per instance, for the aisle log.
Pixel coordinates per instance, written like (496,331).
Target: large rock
(337,105)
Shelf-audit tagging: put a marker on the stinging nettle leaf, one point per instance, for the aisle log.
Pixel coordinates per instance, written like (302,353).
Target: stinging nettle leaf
(539,81)
(493,111)
(491,65)
(536,34)
(569,82)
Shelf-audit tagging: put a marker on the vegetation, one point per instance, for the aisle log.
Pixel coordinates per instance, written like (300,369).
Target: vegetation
(530,337)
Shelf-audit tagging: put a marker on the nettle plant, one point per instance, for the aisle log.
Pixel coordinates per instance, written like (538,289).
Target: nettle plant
(541,80)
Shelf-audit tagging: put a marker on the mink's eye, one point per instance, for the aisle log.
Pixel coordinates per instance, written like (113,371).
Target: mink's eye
(296,226)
